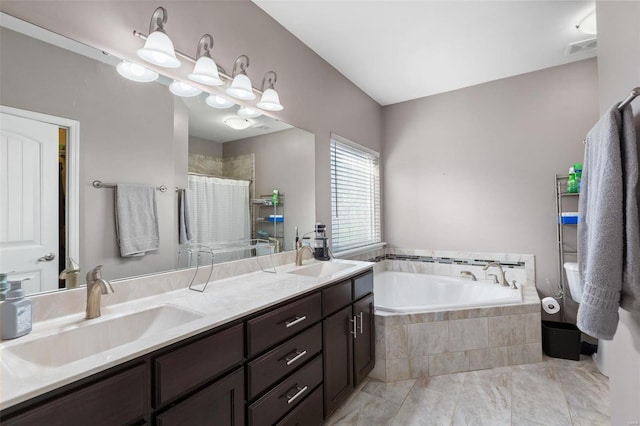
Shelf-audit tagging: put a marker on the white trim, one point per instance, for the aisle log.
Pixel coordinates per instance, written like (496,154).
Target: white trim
(359,250)
(346,141)
(73,177)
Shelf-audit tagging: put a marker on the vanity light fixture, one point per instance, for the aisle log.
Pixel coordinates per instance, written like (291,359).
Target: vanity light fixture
(136,72)
(205,70)
(270,100)
(588,24)
(241,86)
(215,101)
(237,123)
(180,88)
(246,112)
(158,49)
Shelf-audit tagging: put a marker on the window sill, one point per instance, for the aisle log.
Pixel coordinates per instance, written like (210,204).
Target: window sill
(359,250)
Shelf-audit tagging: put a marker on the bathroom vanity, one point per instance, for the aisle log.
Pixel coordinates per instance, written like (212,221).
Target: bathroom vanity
(291,362)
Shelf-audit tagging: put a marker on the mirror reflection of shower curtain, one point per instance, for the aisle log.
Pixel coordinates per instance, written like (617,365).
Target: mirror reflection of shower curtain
(220,209)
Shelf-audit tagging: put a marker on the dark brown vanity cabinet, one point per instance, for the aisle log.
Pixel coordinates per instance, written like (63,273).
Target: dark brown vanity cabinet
(348,338)
(291,364)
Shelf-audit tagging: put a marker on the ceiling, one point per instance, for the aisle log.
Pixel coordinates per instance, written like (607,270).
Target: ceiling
(400,50)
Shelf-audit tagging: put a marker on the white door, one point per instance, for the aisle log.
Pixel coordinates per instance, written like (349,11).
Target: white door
(29,201)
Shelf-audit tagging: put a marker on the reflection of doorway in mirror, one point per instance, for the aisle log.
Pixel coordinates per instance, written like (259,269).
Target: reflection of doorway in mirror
(38,160)
(28,229)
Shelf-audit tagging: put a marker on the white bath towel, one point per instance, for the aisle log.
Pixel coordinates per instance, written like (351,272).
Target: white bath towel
(608,240)
(136,219)
(185,220)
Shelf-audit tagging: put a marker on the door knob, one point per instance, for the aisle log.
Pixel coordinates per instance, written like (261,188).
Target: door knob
(47,257)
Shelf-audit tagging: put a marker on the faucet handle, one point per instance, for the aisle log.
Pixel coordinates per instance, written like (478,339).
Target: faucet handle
(495,278)
(95,274)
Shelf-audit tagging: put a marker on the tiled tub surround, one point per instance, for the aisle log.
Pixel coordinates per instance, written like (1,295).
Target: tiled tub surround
(237,289)
(434,343)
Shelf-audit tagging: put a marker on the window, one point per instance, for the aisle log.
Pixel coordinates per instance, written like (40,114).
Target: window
(355,195)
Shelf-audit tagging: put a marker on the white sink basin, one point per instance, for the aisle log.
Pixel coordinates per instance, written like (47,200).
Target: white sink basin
(322,269)
(90,338)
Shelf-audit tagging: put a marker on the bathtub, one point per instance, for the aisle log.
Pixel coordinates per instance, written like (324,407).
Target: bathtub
(402,292)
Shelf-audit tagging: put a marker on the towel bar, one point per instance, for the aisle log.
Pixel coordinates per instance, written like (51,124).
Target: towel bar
(98,184)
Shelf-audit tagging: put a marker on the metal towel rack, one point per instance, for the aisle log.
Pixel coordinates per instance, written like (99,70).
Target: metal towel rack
(634,93)
(99,184)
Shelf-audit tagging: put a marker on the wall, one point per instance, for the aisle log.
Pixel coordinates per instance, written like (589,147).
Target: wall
(316,97)
(618,73)
(204,147)
(293,175)
(115,134)
(474,169)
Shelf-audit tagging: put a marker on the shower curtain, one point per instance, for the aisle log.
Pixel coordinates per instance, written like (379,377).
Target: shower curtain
(220,209)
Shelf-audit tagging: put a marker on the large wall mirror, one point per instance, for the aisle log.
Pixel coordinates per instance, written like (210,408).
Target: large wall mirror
(69,119)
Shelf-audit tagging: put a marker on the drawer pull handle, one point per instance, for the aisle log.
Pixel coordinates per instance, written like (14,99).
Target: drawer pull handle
(361,323)
(296,356)
(296,320)
(300,390)
(354,330)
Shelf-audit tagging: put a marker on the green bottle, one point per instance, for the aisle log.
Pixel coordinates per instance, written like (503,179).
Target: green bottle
(572,183)
(274,197)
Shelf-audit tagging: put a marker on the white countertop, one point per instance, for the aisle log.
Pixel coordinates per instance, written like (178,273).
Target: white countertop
(223,301)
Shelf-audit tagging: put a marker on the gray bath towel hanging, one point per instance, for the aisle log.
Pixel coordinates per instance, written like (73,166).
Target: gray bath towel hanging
(608,236)
(136,219)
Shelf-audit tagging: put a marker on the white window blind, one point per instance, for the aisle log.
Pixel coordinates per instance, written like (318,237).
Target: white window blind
(355,195)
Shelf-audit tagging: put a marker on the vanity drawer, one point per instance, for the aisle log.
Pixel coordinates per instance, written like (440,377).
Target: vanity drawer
(119,399)
(220,403)
(336,297)
(270,367)
(279,324)
(308,413)
(189,366)
(288,394)
(362,285)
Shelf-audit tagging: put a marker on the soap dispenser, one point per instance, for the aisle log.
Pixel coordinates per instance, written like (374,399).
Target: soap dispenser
(16,312)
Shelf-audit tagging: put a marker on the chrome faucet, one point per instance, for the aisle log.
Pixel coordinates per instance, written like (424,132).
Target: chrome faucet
(300,251)
(468,274)
(96,287)
(503,280)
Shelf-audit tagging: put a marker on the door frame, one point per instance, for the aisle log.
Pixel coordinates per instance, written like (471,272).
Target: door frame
(72,209)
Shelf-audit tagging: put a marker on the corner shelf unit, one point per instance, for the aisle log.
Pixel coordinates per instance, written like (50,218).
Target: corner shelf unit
(262,208)
(563,200)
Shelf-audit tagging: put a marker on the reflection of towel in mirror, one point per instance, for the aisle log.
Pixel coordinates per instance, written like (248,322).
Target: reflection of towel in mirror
(136,219)
(185,220)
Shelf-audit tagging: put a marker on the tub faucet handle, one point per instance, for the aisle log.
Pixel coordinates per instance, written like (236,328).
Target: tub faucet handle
(514,285)
(495,278)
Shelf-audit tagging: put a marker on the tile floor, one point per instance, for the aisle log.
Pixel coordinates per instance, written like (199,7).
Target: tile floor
(553,392)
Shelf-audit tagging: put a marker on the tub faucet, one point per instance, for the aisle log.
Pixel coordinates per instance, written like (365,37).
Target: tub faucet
(96,287)
(468,274)
(503,280)
(300,252)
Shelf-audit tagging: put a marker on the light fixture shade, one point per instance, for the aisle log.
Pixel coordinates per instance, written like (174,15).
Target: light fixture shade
(158,50)
(136,72)
(206,72)
(588,24)
(241,88)
(237,123)
(246,112)
(270,101)
(215,101)
(180,88)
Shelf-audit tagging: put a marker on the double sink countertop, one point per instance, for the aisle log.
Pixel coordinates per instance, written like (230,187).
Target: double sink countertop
(62,350)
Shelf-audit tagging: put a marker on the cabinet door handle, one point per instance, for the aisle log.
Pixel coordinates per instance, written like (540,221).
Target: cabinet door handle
(354,330)
(47,257)
(296,356)
(296,320)
(299,392)
(361,323)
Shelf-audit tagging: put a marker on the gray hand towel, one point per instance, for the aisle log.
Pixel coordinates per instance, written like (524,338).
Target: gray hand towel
(136,219)
(608,235)
(185,222)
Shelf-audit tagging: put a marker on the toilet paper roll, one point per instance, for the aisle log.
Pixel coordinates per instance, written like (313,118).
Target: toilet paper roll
(550,305)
